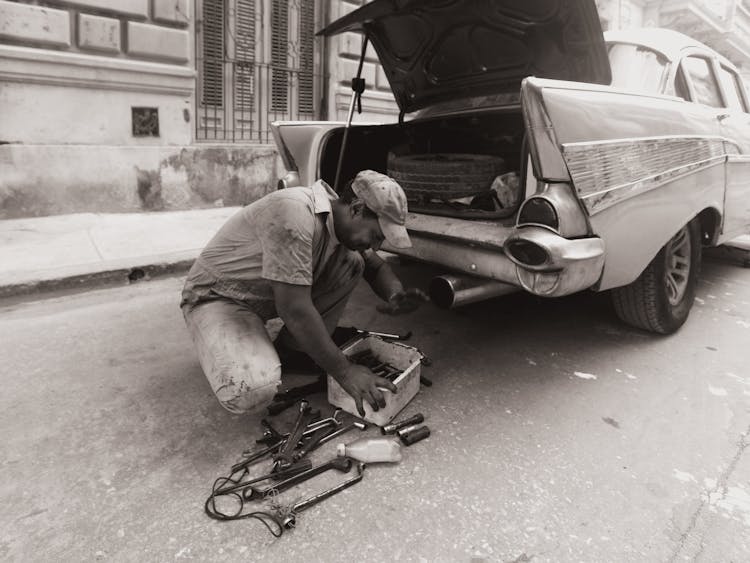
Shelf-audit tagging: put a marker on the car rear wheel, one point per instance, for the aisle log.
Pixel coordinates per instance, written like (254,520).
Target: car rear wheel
(662,296)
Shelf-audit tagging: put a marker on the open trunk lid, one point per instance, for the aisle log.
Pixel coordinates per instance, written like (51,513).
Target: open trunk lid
(440,50)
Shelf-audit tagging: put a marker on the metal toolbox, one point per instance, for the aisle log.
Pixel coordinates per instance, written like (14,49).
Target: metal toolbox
(405,358)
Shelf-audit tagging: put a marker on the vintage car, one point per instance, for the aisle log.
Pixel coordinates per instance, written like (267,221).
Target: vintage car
(538,154)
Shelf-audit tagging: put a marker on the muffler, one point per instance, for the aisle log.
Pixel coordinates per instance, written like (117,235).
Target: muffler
(450,291)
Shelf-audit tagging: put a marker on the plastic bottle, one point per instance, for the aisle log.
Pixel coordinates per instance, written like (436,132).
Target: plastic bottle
(371,450)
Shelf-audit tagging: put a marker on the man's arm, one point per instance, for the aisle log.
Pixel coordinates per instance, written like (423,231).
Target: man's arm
(379,275)
(301,318)
(389,288)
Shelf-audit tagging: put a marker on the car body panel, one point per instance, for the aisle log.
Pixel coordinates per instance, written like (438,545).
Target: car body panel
(660,182)
(300,144)
(434,51)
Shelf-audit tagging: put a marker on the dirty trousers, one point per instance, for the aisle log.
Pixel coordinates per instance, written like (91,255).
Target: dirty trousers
(234,348)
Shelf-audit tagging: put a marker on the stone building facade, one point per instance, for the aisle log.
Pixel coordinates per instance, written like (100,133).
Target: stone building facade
(128,105)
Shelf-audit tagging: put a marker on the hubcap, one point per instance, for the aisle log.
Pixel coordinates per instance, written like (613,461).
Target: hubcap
(677,268)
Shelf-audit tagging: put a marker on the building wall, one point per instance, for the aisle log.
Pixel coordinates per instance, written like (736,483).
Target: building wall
(71,73)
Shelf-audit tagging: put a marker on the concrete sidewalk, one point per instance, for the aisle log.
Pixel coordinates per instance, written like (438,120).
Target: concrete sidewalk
(68,251)
(64,251)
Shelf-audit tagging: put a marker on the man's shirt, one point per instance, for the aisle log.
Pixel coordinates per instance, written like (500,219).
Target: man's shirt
(285,236)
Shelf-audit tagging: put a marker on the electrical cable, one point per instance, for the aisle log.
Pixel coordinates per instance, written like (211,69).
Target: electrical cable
(266,518)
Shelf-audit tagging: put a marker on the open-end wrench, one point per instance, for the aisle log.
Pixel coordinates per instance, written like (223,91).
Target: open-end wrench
(290,519)
(255,456)
(342,464)
(313,443)
(269,438)
(294,469)
(284,457)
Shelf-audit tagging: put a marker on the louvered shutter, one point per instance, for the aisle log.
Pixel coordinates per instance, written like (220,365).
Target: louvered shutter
(210,119)
(244,69)
(212,85)
(305,94)
(279,59)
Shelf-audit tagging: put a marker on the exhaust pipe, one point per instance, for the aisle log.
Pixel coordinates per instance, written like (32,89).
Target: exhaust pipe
(450,291)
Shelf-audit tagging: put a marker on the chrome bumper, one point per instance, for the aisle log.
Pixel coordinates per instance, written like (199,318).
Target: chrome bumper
(571,265)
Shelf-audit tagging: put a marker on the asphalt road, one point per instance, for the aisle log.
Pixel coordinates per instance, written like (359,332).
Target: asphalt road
(558,434)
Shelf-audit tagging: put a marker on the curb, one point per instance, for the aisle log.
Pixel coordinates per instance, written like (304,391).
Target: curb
(729,253)
(86,281)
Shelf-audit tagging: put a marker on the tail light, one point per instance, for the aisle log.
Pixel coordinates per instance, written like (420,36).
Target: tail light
(539,211)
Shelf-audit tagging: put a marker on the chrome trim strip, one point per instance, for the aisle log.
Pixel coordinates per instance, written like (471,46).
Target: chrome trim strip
(610,197)
(606,172)
(679,170)
(651,138)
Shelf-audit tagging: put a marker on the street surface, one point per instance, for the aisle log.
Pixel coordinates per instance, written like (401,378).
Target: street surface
(558,434)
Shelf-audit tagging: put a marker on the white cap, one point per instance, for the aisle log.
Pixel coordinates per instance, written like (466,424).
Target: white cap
(341,450)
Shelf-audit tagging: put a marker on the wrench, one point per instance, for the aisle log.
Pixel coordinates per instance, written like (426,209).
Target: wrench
(255,456)
(312,443)
(299,467)
(290,520)
(284,457)
(343,464)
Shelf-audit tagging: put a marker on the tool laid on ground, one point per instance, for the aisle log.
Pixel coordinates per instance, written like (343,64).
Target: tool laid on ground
(289,451)
(294,469)
(339,464)
(289,519)
(413,434)
(284,458)
(394,426)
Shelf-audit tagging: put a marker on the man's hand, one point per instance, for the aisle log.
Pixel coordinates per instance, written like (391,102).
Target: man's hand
(404,301)
(362,384)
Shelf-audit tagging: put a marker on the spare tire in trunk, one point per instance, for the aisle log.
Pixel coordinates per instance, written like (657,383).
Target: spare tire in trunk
(444,175)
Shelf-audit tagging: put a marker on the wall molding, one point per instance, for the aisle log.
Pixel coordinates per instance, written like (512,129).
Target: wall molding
(40,66)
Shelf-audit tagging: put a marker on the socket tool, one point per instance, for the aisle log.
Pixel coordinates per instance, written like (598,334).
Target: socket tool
(395,426)
(413,434)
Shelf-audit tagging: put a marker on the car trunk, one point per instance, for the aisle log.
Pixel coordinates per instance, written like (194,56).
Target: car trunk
(494,135)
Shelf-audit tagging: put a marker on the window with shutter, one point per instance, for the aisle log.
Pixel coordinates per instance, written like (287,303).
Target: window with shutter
(256,63)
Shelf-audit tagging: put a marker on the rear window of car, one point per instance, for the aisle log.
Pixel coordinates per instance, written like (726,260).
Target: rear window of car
(704,82)
(732,88)
(635,67)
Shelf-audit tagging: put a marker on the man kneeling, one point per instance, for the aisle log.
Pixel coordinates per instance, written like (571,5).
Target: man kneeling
(296,254)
